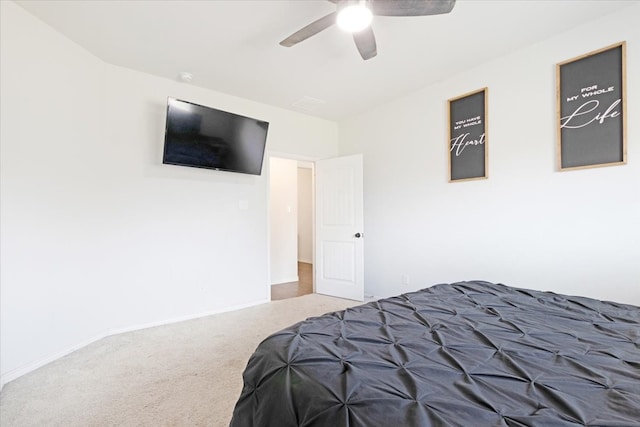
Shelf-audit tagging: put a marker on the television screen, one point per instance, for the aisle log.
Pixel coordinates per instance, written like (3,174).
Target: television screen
(204,137)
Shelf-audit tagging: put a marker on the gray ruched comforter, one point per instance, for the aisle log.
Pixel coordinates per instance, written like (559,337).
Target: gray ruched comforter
(463,354)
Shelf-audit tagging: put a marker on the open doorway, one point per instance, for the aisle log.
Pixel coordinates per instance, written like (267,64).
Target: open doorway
(291,227)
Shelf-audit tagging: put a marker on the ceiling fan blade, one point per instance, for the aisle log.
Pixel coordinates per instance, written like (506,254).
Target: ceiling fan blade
(310,30)
(366,43)
(411,7)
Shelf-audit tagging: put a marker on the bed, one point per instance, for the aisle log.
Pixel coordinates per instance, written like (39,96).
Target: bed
(462,354)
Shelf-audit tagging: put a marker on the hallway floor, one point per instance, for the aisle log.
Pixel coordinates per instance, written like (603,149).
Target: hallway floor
(303,286)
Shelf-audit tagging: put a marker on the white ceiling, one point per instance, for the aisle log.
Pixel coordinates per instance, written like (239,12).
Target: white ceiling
(232,46)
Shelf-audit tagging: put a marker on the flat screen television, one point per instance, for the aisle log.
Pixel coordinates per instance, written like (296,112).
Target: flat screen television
(203,137)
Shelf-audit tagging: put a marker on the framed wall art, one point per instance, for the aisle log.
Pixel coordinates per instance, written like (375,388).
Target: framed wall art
(591,109)
(468,150)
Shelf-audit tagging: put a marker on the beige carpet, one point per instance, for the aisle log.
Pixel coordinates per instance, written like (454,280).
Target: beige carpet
(184,374)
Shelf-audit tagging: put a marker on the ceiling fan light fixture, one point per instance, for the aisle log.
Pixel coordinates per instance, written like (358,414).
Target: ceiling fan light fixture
(354,18)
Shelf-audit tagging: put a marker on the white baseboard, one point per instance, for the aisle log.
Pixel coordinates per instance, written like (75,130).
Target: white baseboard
(184,318)
(288,280)
(29,367)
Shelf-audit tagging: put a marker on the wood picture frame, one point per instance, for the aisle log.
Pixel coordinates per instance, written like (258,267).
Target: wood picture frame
(468,150)
(591,109)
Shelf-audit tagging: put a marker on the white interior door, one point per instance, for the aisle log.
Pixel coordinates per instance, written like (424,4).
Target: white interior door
(339,269)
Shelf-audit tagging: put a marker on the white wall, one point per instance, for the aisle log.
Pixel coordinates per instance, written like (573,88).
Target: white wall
(96,234)
(528,225)
(305,215)
(283,219)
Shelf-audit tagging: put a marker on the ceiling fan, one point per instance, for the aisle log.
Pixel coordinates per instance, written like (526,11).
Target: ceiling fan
(358,14)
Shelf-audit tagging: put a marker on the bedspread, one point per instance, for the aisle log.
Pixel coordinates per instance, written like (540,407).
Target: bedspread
(462,354)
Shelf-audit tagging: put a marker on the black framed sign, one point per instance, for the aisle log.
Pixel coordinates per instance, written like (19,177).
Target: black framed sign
(591,109)
(468,151)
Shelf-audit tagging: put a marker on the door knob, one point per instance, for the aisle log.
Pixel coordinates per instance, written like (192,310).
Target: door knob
(357,235)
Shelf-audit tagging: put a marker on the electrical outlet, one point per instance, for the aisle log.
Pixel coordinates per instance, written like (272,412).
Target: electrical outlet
(405,279)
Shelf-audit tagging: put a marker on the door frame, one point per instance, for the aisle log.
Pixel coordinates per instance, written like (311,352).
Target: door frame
(312,161)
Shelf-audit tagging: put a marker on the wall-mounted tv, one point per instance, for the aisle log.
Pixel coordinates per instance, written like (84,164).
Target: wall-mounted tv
(203,137)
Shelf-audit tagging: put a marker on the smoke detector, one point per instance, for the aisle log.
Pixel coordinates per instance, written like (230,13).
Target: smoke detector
(185,77)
